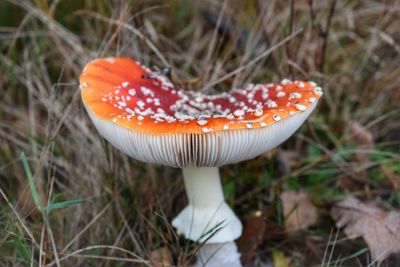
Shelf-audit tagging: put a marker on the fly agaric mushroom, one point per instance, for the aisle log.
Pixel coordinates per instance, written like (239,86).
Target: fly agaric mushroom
(142,114)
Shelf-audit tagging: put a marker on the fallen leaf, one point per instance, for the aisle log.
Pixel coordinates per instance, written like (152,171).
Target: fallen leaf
(287,159)
(299,211)
(161,257)
(346,182)
(380,229)
(352,181)
(254,228)
(269,155)
(363,138)
(391,175)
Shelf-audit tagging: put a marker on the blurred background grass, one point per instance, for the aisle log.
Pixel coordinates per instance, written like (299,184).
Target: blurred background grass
(350,145)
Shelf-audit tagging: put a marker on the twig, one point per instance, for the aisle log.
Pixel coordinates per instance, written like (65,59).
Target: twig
(287,46)
(211,47)
(325,35)
(53,243)
(312,12)
(79,251)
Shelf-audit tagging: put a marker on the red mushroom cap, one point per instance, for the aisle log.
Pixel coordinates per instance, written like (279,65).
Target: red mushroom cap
(143,114)
(117,89)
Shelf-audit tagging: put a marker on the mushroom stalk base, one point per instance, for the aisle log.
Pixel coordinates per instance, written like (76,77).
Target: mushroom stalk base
(207,218)
(218,255)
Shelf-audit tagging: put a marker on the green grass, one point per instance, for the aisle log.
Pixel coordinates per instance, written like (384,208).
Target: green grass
(72,199)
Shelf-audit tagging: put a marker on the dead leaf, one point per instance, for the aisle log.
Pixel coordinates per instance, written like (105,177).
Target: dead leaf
(269,155)
(287,159)
(351,181)
(298,210)
(254,228)
(364,139)
(161,257)
(346,182)
(394,179)
(380,229)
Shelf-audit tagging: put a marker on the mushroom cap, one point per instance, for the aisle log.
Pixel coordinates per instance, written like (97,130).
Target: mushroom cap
(142,114)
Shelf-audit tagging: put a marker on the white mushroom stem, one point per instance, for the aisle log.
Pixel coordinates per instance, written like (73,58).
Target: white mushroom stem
(208,218)
(203,187)
(218,255)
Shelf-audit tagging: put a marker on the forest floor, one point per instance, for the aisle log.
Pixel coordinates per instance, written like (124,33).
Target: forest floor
(329,196)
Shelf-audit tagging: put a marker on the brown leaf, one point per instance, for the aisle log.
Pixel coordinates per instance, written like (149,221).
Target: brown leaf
(351,181)
(287,159)
(364,139)
(254,228)
(161,257)
(346,182)
(380,229)
(298,210)
(269,155)
(394,179)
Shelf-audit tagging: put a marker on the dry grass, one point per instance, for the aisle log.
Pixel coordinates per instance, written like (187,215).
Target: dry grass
(351,48)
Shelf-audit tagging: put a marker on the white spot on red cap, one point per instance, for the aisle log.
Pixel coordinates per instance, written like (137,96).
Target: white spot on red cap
(132,92)
(202,122)
(146,91)
(271,103)
(276,117)
(318,90)
(140,103)
(130,111)
(286,81)
(280,94)
(313,84)
(206,130)
(301,84)
(294,95)
(238,113)
(83,85)
(300,107)
(258,112)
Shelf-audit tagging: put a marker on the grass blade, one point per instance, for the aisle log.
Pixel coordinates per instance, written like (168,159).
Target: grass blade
(64,204)
(32,187)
